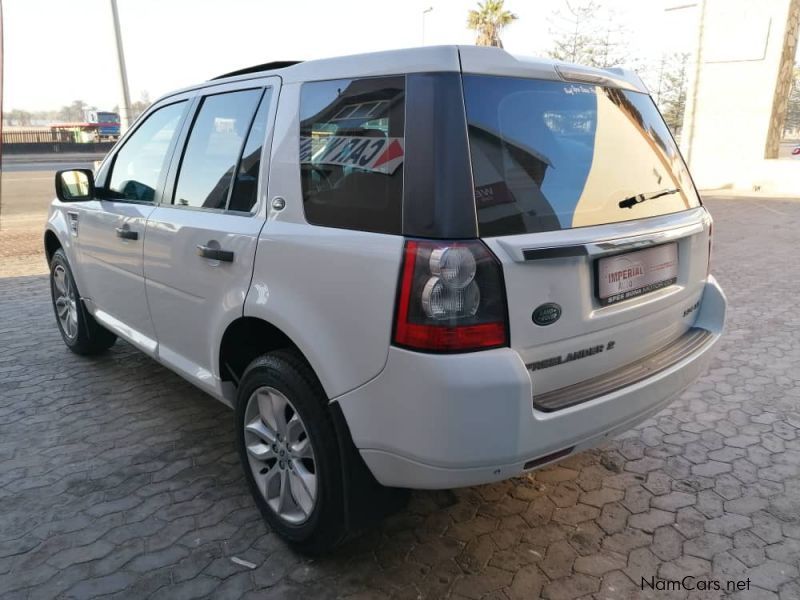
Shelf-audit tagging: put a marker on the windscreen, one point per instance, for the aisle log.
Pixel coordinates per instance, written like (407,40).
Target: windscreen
(550,155)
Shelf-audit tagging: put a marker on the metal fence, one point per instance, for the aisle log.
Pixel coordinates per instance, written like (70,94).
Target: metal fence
(38,136)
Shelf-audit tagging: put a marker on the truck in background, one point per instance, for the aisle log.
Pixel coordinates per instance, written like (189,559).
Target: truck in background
(106,125)
(98,126)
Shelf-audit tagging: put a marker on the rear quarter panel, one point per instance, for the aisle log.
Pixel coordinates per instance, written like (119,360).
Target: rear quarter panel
(331,291)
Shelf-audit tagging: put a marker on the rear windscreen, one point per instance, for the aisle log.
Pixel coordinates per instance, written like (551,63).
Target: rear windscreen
(550,155)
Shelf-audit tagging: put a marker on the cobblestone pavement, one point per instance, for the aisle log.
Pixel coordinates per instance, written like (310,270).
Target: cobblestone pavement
(117,478)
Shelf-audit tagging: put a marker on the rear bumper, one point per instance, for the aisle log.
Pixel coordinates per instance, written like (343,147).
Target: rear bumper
(444,421)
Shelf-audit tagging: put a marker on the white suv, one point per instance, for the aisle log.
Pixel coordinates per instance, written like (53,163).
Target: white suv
(425,268)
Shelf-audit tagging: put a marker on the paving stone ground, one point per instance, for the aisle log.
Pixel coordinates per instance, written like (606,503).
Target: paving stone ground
(119,479)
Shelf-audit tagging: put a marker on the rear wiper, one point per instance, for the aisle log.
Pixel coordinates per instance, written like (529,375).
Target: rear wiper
(639,198)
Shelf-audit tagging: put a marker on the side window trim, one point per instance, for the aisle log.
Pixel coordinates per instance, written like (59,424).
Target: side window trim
(168,197)
(102,190)
(271,96)
(177,153)
(241,153)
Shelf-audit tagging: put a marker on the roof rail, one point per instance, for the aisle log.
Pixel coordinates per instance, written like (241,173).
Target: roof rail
(270,66)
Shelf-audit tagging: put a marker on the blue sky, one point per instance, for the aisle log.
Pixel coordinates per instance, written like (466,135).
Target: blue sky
(57,51)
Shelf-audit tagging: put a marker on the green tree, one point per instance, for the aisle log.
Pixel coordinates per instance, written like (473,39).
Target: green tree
(18,117)
(488,21)
(136,108)
(140,105)
(792,123)
(588,33)
(75,112)
(573,33)
(670,94)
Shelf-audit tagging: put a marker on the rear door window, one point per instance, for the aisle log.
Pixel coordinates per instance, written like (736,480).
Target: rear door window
(550,155)
(214,147)
(351,153)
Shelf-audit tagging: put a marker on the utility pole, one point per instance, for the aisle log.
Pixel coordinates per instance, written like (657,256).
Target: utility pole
(125,105)
(687,128)
(696,84)
(425,14)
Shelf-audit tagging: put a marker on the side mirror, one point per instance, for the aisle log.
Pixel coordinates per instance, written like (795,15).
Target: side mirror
(75,185)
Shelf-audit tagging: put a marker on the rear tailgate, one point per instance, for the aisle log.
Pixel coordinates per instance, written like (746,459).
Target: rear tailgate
(584,198)
(589,338)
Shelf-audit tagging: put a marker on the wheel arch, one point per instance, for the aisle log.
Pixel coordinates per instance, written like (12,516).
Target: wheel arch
(57,234)
(366,502)
(245,339)
(51,244)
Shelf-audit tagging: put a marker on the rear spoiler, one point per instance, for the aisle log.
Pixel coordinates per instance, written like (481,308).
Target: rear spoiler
(605,78)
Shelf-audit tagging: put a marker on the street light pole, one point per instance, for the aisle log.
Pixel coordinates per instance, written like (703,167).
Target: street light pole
(124,109)
(695,85)
(424,14)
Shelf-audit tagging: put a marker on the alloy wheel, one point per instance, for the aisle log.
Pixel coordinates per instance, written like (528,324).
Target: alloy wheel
(65,301)
(280,455)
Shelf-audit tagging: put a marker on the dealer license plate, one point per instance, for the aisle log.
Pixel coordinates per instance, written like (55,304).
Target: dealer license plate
(634,274)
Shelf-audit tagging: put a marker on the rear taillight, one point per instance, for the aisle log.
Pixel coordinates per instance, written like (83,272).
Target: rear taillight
(451,298)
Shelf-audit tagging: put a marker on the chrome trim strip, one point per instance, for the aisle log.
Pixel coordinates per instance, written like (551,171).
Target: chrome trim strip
(138,339)
(613,245)
(633,233)
(642,241)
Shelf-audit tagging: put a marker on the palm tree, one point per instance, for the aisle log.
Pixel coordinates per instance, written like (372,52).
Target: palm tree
(488,21)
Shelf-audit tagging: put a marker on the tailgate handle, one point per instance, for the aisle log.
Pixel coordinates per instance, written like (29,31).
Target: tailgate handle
(612,245)
(554,252)
(650,239)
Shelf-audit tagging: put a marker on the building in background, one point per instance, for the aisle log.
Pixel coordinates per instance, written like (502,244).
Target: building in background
(739,95)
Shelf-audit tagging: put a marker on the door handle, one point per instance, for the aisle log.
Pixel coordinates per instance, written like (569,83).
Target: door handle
(127,234)
(215,253)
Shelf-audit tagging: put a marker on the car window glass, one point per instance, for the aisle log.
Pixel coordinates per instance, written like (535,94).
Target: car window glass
(213,150)
(351,153)
(245,186)
(549,155)
(140,162)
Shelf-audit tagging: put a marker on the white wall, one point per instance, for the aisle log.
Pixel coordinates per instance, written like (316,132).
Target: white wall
(731,96)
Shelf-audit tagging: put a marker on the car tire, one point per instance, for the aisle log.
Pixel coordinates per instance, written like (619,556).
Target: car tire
(289,452)
(79,330)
